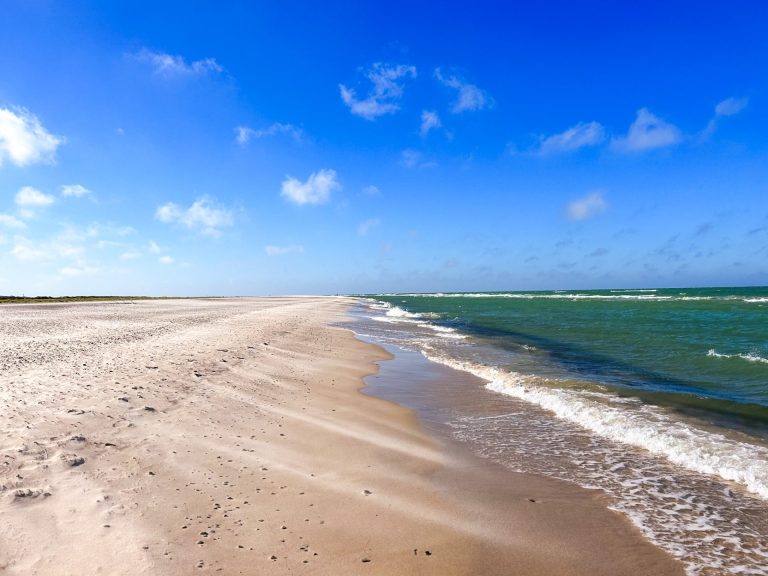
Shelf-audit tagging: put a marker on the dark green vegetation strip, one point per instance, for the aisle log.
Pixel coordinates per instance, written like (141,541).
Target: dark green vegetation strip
(49,299)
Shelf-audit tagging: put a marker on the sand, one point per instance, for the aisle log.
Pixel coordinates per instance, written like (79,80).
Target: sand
(230,436)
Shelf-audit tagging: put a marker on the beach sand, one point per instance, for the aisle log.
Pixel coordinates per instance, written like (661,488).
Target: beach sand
(230,436)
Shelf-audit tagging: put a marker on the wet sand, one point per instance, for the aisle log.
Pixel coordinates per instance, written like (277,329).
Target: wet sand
(229,436)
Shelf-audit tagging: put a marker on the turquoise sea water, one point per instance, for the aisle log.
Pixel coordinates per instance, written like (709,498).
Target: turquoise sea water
(657,397)
(703,351)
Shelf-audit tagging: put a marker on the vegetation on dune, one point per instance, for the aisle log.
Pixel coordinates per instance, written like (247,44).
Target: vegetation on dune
(49,299)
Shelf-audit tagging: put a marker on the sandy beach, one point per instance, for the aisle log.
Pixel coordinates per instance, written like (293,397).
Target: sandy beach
(230,436)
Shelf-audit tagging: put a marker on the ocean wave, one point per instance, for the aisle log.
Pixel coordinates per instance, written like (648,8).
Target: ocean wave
(749,356)
(565,296)
(397,312)
(644,426)
(397,315)
(446,332)
(644,295)
(391,320)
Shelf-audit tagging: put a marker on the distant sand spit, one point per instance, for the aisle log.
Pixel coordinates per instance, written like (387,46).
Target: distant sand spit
(228,436)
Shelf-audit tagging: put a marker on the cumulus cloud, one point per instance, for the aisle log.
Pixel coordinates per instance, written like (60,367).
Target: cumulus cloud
(166,260)
(372,190)
(168,65)
(469,96)
(316,190)
(245,134)
(29,197)
(9,221)
(647,132)
(429,121)
(202,216)
(24,140)
(579,136)
(154,247)
(366,226)
(74,190)
(280,250)
(385,93)
(587,207)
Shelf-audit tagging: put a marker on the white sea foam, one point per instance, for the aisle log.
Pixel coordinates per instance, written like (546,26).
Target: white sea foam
(569,296)
(644,295)
(397,312)
(396,315)
(645,426)
(749,356)
(446,332)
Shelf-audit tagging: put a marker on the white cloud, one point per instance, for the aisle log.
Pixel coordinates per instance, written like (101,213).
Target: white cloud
(647,132)
(169,65)
(26,252)
(579,136)
(366,226)
(130,255)
(74,190)
(371,190)
(385,94)
(728,107)
(202,216)
(244,134)
(280,250)
(316,190)
(154,247)
(28,196)
(11,222)
(469,96)
(24,140)
(584,208)
(731,106)
(429,121)
(165,260)
(168,212)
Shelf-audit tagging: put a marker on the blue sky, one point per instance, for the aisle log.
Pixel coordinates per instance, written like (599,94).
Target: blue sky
(291,147)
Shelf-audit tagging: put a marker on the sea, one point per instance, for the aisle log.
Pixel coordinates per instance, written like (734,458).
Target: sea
(656,397)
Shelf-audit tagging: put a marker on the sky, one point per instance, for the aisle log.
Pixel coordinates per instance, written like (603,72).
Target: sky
(245,148)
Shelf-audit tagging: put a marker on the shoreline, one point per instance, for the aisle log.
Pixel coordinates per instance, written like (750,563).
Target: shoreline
(232,436)
(525,517)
